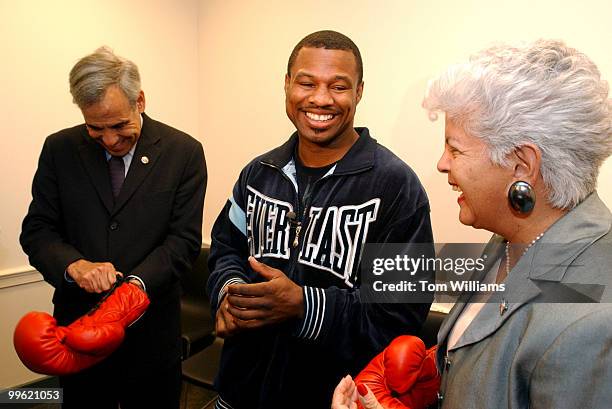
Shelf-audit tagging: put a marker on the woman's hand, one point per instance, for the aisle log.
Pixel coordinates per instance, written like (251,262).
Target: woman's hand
(346,394)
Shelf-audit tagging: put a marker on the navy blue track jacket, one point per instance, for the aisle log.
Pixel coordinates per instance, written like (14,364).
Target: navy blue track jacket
(369,196)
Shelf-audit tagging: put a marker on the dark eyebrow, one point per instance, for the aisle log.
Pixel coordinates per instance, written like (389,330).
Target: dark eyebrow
(97,128)
(304,74)
(336,78)
(343,78)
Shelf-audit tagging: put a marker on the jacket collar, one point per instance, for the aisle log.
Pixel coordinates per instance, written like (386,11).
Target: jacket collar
(360,157)
(562,243)
(568,238)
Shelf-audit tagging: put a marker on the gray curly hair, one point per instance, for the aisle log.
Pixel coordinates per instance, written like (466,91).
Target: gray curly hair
(544,93)
(93,74)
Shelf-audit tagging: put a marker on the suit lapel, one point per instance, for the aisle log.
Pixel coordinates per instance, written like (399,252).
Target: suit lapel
(546,262)
(94,161)
(500,306)
(145,158)
(490,253)
(569,237)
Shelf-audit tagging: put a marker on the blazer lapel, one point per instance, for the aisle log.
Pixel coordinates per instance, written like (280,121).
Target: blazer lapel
(540,271)
(569,237)
(94,161)
(145,158)
(500,306)
(490,253)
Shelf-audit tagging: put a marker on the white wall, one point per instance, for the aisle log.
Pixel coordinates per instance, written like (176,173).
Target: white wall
(39,42)
(244,48)
(19,294)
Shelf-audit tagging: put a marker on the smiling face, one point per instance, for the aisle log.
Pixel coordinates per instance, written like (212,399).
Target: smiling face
(113,122)
(481,184)
(321,95)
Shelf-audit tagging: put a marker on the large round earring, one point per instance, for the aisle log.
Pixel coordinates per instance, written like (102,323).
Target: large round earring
(522,197)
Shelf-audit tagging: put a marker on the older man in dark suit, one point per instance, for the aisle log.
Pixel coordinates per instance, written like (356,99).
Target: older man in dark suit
(121,194)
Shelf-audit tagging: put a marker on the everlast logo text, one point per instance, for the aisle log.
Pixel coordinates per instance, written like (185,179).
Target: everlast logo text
(267,225)
(334,236)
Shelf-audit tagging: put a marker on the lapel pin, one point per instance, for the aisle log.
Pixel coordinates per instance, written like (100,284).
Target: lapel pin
(144,160)
(503,307)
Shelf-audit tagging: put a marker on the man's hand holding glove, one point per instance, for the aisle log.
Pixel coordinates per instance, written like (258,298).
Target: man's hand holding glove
(47,348)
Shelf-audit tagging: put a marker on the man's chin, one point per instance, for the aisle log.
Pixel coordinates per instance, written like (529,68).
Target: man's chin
(321,137)
(122,151)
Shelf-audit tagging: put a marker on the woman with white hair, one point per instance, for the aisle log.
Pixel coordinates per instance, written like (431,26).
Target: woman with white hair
(527,129)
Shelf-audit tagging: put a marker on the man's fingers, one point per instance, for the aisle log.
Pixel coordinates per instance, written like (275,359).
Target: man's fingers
(86,285)
(107,267)
(108,279)
(260,303)
(249,290)
(224,323)
(249,324)
(221,324)
(101,280)
(264,270)
(247,315)
(220,328)
(94,277)
(95,281)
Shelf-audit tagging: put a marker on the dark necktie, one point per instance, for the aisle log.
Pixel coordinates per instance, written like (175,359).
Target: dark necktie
(117,173)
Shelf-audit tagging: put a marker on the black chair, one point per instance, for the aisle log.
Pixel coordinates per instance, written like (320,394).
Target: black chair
(197,324)
(201,349)
(201,368)
(429,332)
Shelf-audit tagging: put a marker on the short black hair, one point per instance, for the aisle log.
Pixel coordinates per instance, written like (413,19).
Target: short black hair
(330,40)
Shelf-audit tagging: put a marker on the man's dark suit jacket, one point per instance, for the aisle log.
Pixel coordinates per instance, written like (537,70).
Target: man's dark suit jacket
(151,230)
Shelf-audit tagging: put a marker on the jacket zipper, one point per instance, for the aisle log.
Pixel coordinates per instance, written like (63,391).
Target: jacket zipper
(307,202)
(292,222)
(296,222)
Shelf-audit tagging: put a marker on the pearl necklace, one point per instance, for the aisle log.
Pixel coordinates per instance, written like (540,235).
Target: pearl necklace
(524,251)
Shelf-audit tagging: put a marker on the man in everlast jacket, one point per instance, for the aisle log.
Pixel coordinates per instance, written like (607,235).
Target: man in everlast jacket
(286,248)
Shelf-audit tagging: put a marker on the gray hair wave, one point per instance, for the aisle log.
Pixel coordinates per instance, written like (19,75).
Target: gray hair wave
(544,93)
(93,74)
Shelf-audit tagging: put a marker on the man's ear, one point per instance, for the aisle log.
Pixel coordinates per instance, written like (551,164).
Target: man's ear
(287,81)
(359,91)
(141,102)
(527,159)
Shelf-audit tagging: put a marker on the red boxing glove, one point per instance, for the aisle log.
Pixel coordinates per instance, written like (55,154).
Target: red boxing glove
(404,375)
(48,349)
